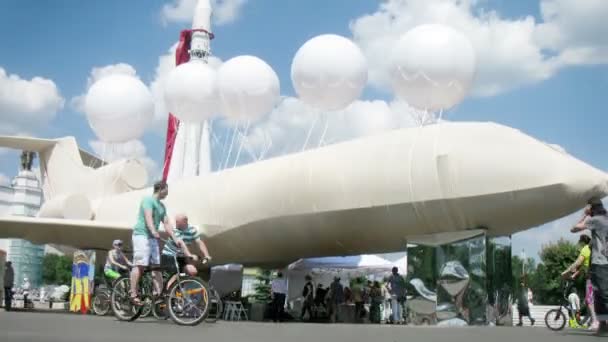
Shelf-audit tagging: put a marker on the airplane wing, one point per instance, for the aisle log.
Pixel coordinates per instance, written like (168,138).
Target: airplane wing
(75,233)
(38,145)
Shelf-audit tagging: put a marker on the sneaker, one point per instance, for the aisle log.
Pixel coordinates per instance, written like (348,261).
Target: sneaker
(520,324)
(532,320)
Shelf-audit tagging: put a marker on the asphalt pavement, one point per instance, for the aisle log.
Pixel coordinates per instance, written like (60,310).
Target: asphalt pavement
(64,327)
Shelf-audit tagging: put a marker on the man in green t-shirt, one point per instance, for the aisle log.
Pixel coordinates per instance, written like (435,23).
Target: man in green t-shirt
(145,239)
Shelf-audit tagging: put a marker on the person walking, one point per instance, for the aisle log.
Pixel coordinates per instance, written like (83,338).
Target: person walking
(9,280)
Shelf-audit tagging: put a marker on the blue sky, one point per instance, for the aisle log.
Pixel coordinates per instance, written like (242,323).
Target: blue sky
(549,80)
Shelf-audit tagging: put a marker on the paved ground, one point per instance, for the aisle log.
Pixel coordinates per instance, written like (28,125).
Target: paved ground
(56,327)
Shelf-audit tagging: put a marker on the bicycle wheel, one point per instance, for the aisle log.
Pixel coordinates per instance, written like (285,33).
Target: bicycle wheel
(216,307)
(188,301)
(146,309)
(120,301)
(555,319)
(101,303)
(160,311)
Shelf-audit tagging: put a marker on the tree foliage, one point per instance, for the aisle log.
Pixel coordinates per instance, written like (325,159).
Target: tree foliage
(56,269)
(545,279)
(556,257)
(263,287)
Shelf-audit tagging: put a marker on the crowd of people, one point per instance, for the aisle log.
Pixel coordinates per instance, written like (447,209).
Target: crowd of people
(322,302)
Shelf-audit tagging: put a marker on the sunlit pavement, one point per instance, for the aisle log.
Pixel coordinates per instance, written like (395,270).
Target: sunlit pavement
(59,327)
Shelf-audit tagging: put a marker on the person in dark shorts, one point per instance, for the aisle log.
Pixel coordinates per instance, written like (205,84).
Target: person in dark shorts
(523,306)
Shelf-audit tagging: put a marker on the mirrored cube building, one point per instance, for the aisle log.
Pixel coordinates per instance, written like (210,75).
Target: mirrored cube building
(459,280)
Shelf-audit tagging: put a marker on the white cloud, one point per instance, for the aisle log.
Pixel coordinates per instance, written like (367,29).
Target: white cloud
(132,149)
(27,104)
(227,11)
(97,73)
(575,29)
(532,241)
(510,52)
(4,180)
(224,11)
(293,126)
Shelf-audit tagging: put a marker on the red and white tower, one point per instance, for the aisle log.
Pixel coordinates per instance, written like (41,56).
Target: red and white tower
(187,148)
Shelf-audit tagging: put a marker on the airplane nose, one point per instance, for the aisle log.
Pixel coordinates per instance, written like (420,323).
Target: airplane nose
(581,180)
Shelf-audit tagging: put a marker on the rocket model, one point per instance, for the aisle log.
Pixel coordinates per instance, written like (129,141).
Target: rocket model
(191,152)
(368,195)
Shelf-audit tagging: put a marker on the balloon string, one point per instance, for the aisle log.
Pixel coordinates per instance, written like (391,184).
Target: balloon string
(266,148)
(312,125)
(321,140)
(234,132)
(224,148)
(241,139)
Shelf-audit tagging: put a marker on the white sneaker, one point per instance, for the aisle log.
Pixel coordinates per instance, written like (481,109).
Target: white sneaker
(595,326)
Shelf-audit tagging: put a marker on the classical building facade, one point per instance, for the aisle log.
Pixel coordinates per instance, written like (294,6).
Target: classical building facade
(23,197)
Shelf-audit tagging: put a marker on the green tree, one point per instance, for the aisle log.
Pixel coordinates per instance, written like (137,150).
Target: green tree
(263,287)
(526,270)
(56,269)
(555,257)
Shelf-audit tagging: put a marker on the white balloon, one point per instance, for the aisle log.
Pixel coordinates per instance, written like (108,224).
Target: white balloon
(432,67)
(191,92)
(248,87)
(119,108)
(329,72)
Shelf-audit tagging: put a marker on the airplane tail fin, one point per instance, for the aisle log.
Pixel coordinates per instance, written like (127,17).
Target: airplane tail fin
(61,162)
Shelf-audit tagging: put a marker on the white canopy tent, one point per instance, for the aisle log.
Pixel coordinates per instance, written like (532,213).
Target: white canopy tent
(226,278)
(323,270)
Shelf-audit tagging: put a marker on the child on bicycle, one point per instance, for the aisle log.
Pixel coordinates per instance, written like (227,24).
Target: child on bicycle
(575,309)
(116,261)
(580,268)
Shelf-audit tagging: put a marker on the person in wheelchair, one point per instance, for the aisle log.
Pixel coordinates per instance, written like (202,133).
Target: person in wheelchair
(116,262)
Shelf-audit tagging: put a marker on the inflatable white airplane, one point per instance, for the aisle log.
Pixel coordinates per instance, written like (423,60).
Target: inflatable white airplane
(369,195)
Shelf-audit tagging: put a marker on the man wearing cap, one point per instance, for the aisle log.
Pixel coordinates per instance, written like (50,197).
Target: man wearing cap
(596,220)
(116,261)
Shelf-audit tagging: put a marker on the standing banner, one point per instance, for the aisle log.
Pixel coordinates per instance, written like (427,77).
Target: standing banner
(83,276)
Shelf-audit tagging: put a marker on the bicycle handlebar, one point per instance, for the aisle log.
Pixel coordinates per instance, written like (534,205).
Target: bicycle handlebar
(204,260)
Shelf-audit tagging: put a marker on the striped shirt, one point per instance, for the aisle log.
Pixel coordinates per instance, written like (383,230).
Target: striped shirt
(188,235)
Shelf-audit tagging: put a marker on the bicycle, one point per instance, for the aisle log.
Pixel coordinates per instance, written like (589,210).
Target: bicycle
(186,301)
(216,306)
(558,317)
(102,298)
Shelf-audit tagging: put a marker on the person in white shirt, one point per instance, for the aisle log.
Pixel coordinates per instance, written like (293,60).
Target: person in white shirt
(279,292)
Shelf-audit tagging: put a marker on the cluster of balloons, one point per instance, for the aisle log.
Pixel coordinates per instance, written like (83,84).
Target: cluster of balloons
(244,87)
(432,68)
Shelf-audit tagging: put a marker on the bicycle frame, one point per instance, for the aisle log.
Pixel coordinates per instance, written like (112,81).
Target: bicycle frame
(565,303)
